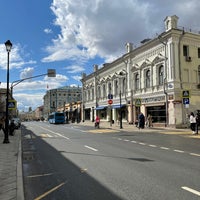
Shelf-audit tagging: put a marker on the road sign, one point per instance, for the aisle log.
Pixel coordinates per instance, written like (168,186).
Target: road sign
(186,101)
(110,96)
(185,94)
(110,101)
(137,102)
(12,105)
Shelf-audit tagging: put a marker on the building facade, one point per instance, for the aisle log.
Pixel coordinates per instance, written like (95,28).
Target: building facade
(160,77)
(55,99)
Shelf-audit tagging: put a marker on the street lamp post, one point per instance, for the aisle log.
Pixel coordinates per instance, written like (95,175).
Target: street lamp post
(120,104)
(8,45)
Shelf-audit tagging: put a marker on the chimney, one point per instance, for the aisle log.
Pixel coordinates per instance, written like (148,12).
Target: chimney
(171,22)
(129,47)
(95,68)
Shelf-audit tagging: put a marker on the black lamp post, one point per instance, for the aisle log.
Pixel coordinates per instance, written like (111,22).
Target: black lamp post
(120,104)
(8,45)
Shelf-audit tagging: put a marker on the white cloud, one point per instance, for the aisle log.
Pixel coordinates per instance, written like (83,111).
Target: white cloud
(27,72)
(98,27)
(24,100)
(74,69)
(16,57)
(48,31)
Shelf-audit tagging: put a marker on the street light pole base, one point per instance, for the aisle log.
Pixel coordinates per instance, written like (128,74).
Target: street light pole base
(6,141)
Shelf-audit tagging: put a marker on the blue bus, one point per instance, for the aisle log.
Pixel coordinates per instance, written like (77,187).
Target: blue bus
(56,118)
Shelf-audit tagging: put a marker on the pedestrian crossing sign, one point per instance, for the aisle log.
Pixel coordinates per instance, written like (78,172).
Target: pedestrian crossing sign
(12,105)
(185,94)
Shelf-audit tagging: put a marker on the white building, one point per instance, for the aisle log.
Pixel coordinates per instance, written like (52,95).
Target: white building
(161,77)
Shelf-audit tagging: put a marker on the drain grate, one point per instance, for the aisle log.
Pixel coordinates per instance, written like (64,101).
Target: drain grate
(27,156)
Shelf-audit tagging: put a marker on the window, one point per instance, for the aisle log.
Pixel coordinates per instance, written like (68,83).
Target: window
(199,52)
(137,79)
(148,78)
(116,87)
(99,92)
(109,88)
(123,85)
(104,90)
(161,75)
(185,50)
(199,73)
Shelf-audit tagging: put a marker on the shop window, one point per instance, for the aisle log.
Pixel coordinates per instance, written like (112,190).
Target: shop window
(148,76)
(161,75)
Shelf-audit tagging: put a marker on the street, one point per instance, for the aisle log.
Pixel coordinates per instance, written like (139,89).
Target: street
(77,162)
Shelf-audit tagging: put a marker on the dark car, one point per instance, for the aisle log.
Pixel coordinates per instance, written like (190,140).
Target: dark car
(17,122)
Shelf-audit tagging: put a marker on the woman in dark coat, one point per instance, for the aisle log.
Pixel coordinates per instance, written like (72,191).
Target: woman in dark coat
(141,121)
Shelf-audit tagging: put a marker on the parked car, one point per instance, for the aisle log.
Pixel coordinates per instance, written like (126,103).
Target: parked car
(17,122)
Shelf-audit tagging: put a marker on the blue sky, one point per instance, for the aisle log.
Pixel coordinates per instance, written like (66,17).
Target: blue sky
(73,35)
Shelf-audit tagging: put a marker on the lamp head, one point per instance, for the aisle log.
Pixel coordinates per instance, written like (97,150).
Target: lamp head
(8,45)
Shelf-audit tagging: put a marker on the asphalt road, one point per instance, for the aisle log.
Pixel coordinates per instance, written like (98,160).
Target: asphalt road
(75,162)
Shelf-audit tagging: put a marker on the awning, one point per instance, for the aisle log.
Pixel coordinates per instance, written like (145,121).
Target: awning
(100,107)
(118,106)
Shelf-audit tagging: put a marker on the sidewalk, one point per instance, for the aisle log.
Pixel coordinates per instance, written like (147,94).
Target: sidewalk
(11,180)
(131,128)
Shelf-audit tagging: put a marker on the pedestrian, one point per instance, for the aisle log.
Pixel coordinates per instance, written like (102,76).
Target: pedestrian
(192,123)
(2,124)
(97,122)
(149,121)
(141,121)
(197,121)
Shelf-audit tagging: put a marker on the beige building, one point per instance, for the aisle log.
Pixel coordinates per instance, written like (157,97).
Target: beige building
(55,99)
(161,77)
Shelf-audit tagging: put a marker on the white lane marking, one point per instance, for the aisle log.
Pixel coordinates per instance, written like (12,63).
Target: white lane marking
(152,145)
(91,148)
(179,151)
(165,148)
(194,154)
(191,190)
(55,133)
(133,141)
(119,139)
(142,143)
(126,140)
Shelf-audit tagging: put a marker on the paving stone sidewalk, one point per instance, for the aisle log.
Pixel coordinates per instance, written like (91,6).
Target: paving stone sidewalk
(11,180)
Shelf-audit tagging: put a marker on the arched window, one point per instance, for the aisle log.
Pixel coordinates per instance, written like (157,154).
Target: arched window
(104,90)
(109,88)
(161,75)
(137,80)
(116,87)
(99,92)
(148,76)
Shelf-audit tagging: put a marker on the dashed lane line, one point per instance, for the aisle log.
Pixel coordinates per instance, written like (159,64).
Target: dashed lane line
(91,148)
(191,190)
(155,146)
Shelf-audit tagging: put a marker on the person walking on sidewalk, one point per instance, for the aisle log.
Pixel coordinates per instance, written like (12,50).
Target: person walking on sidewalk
(97,122)
(2,124)
(192,123)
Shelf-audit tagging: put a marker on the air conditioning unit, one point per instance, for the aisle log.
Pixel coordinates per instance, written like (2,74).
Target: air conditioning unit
(188,59)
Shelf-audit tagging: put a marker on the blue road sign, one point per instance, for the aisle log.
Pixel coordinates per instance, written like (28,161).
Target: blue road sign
(186,100)
(110,96)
